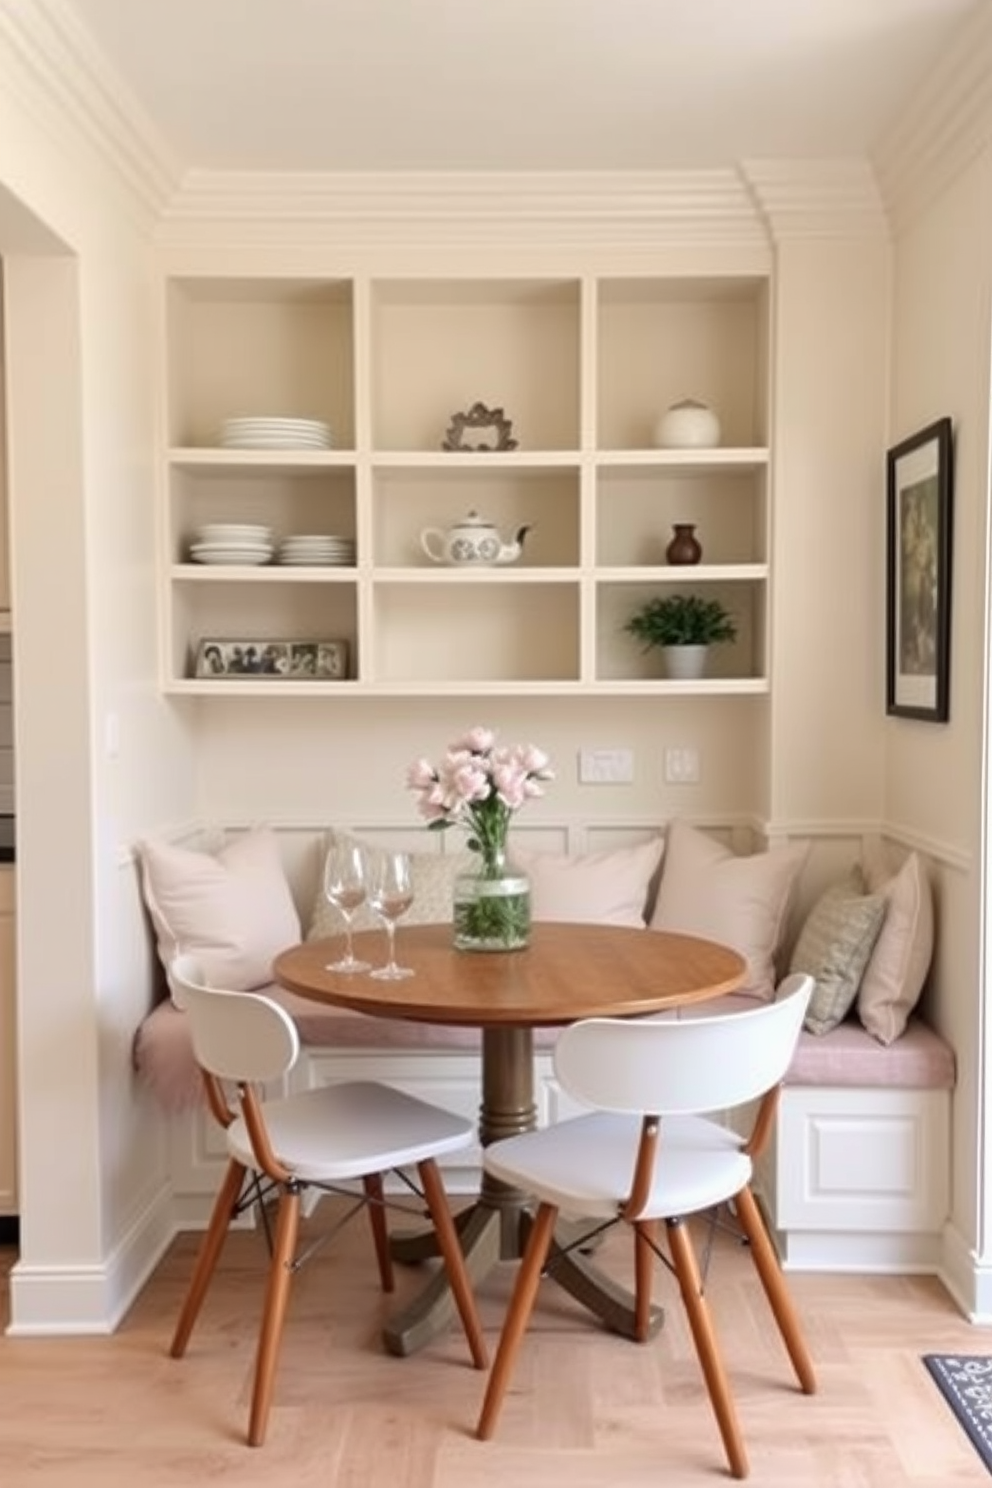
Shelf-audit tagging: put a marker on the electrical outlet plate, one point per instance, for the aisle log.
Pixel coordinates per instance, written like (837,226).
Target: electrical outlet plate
(606,766)
(682,766)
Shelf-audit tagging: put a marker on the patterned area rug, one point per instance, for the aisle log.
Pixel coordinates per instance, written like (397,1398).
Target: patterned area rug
(965,1381)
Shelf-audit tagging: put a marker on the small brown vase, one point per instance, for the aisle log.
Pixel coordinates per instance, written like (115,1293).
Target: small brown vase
(685,546)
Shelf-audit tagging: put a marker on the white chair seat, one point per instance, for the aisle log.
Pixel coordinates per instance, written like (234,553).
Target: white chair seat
(584,1166)
(339,1132)
(649,1152)
(352,1133)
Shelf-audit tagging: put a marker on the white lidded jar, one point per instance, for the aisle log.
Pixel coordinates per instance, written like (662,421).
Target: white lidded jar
(688,424)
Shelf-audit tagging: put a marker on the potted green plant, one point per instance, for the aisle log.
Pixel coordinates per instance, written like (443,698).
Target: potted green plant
(684,626)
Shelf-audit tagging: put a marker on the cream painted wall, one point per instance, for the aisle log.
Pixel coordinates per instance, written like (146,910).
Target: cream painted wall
(832,320)
(78,307)
(934,773)
(321,761)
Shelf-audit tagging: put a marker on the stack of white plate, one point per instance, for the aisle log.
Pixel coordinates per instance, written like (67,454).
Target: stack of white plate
(320,549)
(232,542)
(275,433)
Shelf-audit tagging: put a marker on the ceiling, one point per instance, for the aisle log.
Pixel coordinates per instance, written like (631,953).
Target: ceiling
(557,85)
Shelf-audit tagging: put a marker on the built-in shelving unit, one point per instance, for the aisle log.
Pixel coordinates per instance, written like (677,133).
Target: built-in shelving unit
(582,366)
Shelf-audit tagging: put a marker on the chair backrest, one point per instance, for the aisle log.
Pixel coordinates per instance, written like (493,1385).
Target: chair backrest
(690,1065)
(240,1036)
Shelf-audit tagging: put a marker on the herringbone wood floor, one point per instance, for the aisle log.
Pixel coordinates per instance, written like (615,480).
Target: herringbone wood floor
(586,1410)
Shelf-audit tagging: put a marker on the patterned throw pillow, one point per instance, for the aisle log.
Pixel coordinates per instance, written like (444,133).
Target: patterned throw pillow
(834,946)
(433,875)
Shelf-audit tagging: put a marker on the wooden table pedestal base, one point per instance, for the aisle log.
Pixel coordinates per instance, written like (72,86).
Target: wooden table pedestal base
(496,1226)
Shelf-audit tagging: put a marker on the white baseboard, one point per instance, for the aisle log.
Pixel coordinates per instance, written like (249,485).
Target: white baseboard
(60,1301)
(967,1281)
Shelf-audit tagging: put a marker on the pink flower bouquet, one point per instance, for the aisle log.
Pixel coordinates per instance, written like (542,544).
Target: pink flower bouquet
(479,785)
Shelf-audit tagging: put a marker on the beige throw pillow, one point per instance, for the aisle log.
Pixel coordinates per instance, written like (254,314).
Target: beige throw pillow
(833,947)
(433,873)
(900,960)
(605,888)
(742,902)
(232,910)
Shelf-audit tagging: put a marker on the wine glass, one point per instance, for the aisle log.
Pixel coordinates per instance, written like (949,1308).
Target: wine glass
(344,887)
(390,894)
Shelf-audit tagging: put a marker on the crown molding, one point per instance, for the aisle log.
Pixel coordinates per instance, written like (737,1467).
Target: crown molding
(946,126)
(49,62)
(816,198)
(453,209)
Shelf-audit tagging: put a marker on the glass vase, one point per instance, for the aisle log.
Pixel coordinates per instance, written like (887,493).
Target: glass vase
(492,907)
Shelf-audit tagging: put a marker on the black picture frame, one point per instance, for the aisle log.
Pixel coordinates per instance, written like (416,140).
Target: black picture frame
(919,491)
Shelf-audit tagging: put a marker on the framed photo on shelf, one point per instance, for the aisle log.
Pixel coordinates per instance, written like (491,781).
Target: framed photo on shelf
(919,493)
(285,661)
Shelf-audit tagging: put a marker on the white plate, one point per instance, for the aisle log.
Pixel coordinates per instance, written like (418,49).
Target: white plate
(310,436)
(311,555)
(315,537)
(291,428)
(276,441)
(220,533)
(309,549)
(232,556)
(275,422)
(230,547)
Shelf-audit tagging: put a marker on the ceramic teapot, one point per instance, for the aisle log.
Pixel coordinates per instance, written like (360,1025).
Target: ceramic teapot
(473,540)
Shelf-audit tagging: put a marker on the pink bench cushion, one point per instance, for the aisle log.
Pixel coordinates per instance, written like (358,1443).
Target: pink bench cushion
(847,1056)
(918,1060)
(163,1051)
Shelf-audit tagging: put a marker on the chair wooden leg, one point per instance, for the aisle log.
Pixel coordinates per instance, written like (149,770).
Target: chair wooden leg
(704,1336)
(454,1260)
(645,1236)
(776,1290)
(274,1314)
(517,1317)
(213,1243)
(372,1185)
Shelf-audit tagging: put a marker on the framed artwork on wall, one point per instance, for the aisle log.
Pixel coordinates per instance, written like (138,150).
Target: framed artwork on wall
(918,579)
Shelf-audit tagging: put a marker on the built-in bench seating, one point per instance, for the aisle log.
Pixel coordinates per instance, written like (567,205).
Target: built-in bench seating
(857,1178)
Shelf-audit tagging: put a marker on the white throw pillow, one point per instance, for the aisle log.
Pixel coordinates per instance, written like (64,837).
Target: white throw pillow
(897,969)
(742,902)
(232,910)
(433,874)
(605,888)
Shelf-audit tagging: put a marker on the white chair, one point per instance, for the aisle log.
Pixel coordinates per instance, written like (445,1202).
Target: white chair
(331,1139)
(647,1154)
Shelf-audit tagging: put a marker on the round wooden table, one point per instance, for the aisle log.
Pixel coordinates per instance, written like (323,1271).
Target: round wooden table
(568,972)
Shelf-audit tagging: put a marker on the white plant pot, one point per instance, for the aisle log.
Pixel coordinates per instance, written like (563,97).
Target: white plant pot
(683,663)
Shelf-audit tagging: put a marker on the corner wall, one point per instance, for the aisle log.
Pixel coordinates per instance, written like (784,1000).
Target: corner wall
(935,787)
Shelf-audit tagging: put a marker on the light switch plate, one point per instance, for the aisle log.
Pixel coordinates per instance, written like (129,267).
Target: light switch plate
(606,766)
(682,766)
